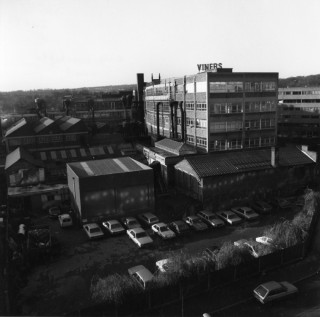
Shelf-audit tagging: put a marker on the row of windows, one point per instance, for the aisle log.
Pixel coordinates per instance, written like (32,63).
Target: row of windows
(301,101)
(236,107)
(294,92)
(237,86)
(293,108)
(222,145)
(43,139)
(201,142)
(98,105)
(225,126)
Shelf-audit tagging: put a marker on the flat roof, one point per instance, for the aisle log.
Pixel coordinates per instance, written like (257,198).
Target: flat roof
(107,167)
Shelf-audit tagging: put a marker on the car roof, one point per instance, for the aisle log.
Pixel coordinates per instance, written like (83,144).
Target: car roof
(160,224)
(207,212)
(92,225)
(271,285)
(142,271)
(149,214)
(137,230)
(193,217)
(130,218)
(113,221)
(179,222)
(228,212)
(64,216)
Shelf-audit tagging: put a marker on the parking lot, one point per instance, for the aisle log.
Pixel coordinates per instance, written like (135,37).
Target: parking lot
(62,283)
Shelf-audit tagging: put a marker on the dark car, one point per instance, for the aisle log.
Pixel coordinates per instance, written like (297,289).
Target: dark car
(261,207)
(179,227)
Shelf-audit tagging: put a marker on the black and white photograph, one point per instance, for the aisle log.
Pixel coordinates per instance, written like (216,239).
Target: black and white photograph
(160,158)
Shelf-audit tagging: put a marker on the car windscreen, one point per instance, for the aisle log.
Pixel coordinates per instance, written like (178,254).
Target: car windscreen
(250,212)
(141,235)
(163,228)
(94,230)
(197,220)
(213,217)
(116,226)
(260,290)
(232,217)
(154,219)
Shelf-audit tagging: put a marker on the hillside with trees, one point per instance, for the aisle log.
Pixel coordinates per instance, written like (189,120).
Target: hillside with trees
(300,81)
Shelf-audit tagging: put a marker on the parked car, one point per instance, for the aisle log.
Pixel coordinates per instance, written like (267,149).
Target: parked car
(141,274)
(261,206)
(245,212)
(211,252)
(264,240)
(131,222)
(148,219)
(211,219)
(65,220)
(229,217)
(179,227)
(114,227)
(139,237)
(163,230)
(54,212)
(93,230)
(164,265)
(281,203)
(196,223)
(273,290)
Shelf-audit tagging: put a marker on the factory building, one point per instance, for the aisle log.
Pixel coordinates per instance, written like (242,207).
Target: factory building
(110,188)
(214,110)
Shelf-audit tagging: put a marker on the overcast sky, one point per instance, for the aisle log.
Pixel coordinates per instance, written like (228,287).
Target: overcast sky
(86,43)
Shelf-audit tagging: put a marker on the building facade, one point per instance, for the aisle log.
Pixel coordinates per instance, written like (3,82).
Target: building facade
(110,188)
(299,114)
(215,110)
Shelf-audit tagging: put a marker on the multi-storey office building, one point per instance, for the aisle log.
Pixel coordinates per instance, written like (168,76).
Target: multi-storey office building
(298,114)
(214,111)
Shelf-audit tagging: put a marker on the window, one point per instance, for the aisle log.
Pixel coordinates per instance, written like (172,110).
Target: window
(202,142)
(228,87)
(218,145)
(201,106)
(218,126)
(44,139)
(201,123)
(234,107)
(252,124)
(234,144)
(189,106)
(219,108)
(71,137)
(190,139)
(179,121)
(190,122)
(234,125)
(252,142)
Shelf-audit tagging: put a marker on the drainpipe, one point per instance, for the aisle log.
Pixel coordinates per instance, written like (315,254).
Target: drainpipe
(182,120)
(158,120)
(171,119)
(175,105)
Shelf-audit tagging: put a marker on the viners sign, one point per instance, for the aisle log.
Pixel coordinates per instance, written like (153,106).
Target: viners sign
(205,67)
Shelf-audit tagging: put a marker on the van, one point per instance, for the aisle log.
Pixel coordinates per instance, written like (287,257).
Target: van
(149,219)
(141,274)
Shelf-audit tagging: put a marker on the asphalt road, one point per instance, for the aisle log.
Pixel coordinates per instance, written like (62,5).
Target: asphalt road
(305,304)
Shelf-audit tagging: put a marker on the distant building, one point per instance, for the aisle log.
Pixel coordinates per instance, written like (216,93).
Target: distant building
(110,188)
(214,111)
(299,114)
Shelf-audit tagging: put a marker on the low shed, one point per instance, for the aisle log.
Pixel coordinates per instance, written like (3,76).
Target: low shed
(110,188)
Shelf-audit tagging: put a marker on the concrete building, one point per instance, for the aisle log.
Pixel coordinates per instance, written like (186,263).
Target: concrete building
(215,110)
(299,115)
(110,188)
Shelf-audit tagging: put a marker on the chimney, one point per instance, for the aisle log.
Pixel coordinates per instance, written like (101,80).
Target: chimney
(274,156)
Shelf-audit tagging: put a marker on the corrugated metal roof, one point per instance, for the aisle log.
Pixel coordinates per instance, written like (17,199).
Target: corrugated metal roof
(66,122)
(107,166)
(16,126)
(42,124)
(175,147)
(243,161)
(21,153)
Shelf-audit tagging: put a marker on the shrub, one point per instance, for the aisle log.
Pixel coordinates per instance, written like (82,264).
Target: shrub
(113,288)
(230,255)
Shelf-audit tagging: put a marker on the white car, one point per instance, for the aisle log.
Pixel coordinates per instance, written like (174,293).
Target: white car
(264,240)
(141,274)
(245,212)
(114,227)
(163,231)
(139,237)
(229,217)
(65,220)
(211,219)
(93,230)
(272,290)
(243,243)
(164,265)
